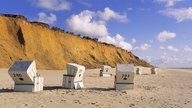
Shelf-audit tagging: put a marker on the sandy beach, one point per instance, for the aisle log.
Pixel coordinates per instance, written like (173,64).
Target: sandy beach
(170,88)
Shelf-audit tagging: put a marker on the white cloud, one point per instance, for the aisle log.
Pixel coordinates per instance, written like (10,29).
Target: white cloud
(169,48)
(93,23)
(165,35)
(110,14)
(54,5)
(143,47)
(179,14)
(84,23)
(118,41)
(47,19)
(169,3)
(188,49)
(133,40)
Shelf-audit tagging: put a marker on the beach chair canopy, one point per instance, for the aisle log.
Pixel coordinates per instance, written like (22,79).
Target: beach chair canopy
(125,68)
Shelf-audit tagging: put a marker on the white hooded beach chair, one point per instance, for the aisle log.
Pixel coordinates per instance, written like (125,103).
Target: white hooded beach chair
(138,71)
(105,71)
(153,71)
(73,78)
(25,76)
(124,78)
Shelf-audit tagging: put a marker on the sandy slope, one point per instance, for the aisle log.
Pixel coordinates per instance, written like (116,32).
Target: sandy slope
(171,88)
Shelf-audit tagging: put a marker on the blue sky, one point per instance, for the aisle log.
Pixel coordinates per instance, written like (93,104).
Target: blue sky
(158,31)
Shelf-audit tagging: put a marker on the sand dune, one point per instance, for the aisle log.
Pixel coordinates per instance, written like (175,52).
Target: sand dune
(171,88)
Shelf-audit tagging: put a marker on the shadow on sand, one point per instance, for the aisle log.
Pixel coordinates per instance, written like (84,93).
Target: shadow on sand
(92,89)
(60,87)
(52,87)
(146,74)
(6,90)
(101,89)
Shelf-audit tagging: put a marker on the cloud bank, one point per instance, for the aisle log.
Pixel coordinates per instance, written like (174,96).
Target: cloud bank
(95,24)
(169,61)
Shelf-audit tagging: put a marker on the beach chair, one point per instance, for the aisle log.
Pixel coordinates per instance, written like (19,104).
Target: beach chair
(104,72)
(73,78)
(25,76)
(139,71)
(153,71)
(124,78)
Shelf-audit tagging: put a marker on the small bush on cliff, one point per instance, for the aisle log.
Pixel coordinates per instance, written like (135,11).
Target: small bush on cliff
(14,16)
(87,37)
(57,29)
(41,24)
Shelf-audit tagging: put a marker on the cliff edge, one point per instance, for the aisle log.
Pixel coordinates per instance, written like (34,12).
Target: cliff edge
(52,48)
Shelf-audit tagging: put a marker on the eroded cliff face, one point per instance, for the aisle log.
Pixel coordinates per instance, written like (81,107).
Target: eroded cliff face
(52,49)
